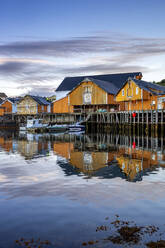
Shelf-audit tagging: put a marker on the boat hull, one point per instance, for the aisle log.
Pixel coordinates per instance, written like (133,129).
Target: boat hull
(58,128)
(76,128)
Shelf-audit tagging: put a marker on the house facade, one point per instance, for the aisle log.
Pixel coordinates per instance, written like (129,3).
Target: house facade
(69,83)
(93,95)
(90,93)
(32,105)
(141,95)
(9,106)
(62,106)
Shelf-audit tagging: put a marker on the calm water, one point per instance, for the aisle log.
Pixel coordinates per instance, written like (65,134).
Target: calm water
(62,187)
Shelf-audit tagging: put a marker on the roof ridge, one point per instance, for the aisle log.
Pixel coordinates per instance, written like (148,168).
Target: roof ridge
(120,73)
(148,86)
(117,79)
(96,79)
(105,85)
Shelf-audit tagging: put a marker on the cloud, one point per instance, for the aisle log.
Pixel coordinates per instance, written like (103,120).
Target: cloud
(82,45)
(39,66)
(51,48)
(103,68)
(12,67)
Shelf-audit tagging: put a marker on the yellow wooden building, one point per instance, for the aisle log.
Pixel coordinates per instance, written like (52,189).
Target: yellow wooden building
(9,106)
(33,105)
(141,95)
(62,106)
(90,93)
(94,95)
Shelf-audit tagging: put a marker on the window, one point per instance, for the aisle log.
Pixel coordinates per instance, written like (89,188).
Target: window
(88,89)
(153,157)
(123,92)
(87,98)
(129,90)
(137,90)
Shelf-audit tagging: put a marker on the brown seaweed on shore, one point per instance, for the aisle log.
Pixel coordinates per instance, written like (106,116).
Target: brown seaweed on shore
(121,232)
(91,242)
(157,244)
(101,228)
(31,243)
(128,233)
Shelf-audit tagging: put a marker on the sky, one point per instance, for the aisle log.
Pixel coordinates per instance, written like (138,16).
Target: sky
(44,41)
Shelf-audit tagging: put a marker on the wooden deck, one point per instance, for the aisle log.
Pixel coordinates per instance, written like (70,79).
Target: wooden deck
(152,121)
(129,117)
(104,121)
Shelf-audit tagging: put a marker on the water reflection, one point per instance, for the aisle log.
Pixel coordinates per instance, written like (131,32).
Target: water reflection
(104,156)
(62,186)
(110,156)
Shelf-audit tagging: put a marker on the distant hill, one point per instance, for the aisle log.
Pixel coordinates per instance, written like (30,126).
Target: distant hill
(162,82)
(51,98)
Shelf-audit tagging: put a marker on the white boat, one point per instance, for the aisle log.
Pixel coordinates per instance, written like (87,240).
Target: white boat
(77,127)
(32,124)
(57,128)
(38,123)
(35,123)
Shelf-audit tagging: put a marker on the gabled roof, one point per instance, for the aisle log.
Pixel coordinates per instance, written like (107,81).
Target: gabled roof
(116,79)
(14,99)
(11,100)
(106,86)
(40,100)
(150,87)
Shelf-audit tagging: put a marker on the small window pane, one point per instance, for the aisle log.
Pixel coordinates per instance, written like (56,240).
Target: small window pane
(88,89)
(137,90)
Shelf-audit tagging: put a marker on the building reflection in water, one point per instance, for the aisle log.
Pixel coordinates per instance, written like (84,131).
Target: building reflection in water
(28,145)
(102,155)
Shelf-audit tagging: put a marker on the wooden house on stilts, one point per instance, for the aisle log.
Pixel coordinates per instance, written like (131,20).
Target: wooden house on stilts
(86,94)
(138,95)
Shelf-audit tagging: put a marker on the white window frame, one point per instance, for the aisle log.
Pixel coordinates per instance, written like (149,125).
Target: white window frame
(137,90)
(122,92)
(87,88)
(129,88)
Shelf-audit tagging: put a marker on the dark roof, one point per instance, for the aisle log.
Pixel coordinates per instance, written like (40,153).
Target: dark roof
(40,100)
(14,99)
(149,86)
(108,87)
(1,101)
(116,79)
